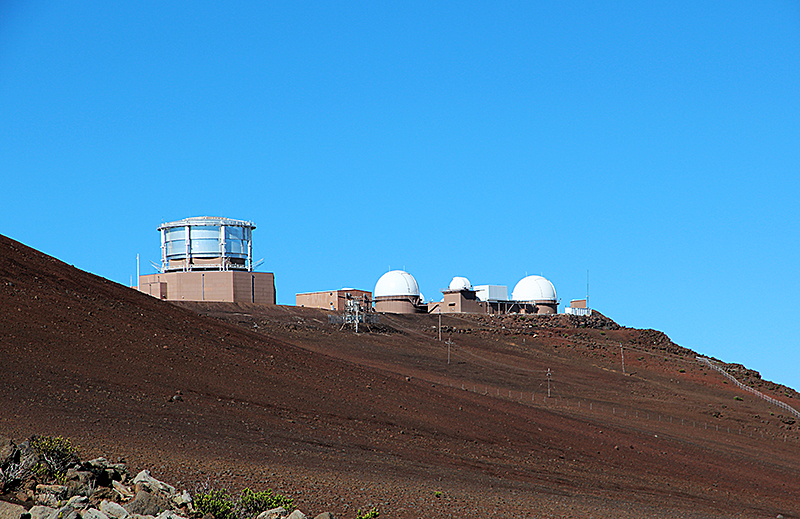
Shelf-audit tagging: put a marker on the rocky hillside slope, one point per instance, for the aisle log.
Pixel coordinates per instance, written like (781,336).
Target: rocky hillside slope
(247,395)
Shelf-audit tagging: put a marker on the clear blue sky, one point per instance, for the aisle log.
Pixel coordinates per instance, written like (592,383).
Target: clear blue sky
(654,144)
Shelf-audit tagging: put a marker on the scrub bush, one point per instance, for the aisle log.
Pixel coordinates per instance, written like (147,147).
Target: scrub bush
(56,455)
(222,505)
(253,503)
(218,503)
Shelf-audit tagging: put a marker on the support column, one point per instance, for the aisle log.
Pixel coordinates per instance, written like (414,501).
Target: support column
(223,266)
(249,234)
(188,243)
(163,250)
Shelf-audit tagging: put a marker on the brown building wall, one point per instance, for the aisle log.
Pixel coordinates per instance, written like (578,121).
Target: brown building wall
(324,300)
(546,308)
(264,291)
(154,288)
(577,303)
(392,305)
(459,302)
(332,300)
(231,286)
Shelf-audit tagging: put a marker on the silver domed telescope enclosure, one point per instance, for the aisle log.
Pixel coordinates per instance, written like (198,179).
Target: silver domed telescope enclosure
(206,243)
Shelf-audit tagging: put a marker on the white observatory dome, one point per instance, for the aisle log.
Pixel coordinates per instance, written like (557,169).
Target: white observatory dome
(534,288)
(396,283)
(460,283)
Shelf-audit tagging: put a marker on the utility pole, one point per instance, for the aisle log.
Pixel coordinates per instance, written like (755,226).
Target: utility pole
(440,324)
(548,382)
(449,342)
(622,353)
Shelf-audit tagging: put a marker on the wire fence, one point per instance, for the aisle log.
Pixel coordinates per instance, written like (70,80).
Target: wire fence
(545,399)
(773,401)
(585,407)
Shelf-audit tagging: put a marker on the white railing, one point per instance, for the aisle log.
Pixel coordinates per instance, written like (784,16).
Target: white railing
(773,401)
(577,311)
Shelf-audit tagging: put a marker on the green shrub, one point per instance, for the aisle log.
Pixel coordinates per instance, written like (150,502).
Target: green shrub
(218,503)
(222,505)
(253,503)
(56,454)
(738,398)
(372,514)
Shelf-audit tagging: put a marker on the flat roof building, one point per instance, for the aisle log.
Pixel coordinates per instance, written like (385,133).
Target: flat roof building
(335,300)
(208,259)
(458,298)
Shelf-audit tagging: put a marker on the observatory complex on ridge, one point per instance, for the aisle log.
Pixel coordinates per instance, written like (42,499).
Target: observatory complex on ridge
(397,292)
(531,295)
(208,259)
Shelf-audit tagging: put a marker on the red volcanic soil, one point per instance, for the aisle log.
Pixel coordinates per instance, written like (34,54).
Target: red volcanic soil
(274,396)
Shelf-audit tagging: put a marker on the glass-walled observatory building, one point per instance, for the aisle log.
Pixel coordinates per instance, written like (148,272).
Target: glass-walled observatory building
(208,258)
(206,243)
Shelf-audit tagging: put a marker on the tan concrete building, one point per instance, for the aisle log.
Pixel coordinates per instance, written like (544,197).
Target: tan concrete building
(208,258)
(578,307)
(232,286)
(458,302)
(535,295)
(335,300)
(458,298)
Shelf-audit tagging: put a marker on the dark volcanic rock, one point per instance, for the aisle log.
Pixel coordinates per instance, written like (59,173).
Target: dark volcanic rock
(146,503)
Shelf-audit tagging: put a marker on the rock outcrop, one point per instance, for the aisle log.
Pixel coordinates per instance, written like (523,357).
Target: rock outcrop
(95,489)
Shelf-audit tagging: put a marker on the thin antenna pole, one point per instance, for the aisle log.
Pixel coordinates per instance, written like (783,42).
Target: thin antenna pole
(548,382)
(449,342)
(587,288)
(622,352)
(440,325)
(137,272)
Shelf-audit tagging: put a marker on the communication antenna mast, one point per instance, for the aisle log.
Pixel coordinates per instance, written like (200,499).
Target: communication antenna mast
(351,312)
(587,288)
